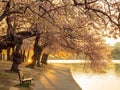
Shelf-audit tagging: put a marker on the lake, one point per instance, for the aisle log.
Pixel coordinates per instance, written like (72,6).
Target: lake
(91,81)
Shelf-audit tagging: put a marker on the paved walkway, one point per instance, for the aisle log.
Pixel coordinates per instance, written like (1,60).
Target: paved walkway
(57,78)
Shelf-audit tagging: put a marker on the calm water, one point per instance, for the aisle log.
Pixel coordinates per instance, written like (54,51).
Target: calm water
(91,81)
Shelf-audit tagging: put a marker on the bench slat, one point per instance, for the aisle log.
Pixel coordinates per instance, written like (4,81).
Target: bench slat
(27,79)
(24,80)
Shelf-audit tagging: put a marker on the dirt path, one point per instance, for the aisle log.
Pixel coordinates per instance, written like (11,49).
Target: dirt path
(57,78)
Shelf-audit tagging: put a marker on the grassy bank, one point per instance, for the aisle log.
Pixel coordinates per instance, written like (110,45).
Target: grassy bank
(10,79)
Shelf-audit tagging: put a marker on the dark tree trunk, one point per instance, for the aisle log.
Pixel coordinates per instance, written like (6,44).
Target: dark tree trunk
(36,55)
(14,67)
(24,56)
(17,56)
(13,49)
(44,59)
(17,59)
(3,57)
(18,46)
(8,54)
(0,56)
(0,50)
(39,55)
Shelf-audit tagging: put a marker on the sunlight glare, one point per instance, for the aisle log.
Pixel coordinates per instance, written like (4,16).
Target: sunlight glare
(29,61)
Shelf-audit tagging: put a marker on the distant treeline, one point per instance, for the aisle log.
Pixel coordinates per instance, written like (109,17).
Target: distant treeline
(115,51)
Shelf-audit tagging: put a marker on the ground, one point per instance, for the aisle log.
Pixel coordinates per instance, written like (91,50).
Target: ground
(48,77)
(10,79)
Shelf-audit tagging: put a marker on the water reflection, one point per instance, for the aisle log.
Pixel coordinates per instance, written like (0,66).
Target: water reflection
(91,81)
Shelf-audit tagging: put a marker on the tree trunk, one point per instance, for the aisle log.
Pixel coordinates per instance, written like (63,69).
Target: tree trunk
(36,57)
(17,59)
(0,56)
(39,55)
(8,54)
(3,57)
(44,59)
(13,50)
(14,67)
(37,52)
(24,57)
(0,50)
(17,56)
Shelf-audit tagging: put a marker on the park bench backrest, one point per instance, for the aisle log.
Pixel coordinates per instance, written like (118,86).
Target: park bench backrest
(21,75)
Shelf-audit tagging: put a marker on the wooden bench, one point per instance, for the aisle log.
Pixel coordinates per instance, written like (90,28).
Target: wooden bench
(23,80)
